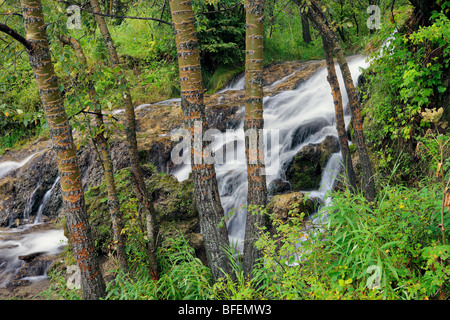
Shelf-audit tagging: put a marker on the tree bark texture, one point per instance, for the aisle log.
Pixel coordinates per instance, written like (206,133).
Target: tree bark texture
(130,130)
(102,144)
(254,125)
(350,177)
(92,282)
(315,14)
(204,176)
(306,31)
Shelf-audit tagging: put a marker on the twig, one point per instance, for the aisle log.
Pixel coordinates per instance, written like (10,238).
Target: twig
(90,112)
(116,16)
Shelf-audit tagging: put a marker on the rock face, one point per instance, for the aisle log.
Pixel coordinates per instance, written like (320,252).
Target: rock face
(22,190)
(305,171)
(176,213)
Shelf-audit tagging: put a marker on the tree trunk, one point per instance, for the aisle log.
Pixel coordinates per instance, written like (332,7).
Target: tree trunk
(350,176)
(254,125)
(92,282)
(130,129)
(306,31)
(315,14)
(204,175)
(104,157)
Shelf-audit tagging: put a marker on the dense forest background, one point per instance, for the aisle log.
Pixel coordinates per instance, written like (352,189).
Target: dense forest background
(404,101)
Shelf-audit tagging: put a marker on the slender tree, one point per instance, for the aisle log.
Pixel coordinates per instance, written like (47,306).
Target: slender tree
(340,122)
(306,31)
(254,125)
(316,15)
(130,130)
(203,173)
(101,144)
(92,283)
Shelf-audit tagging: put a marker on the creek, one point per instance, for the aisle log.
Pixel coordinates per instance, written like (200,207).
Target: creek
(293,119)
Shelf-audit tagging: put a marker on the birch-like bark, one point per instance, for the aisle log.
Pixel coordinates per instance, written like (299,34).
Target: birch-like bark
(130,130)
(350,176)
(107,165)
(316,15)
(92,283)
(203,174)
(253,126)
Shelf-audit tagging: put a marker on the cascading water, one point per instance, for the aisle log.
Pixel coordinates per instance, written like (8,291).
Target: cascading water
(16,243)
(295,118)
(44,203)
(8,166)
(48,242)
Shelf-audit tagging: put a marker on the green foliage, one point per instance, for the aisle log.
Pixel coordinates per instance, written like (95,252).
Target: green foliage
(183,277)
(221,34)
(393,237)
(404,80)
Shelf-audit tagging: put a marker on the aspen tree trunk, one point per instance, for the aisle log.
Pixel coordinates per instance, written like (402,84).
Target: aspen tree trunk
(306,32)
(340,122)
(105,159)
(253,125)
(92,282)
(203,174)
(130,129)
(316,15)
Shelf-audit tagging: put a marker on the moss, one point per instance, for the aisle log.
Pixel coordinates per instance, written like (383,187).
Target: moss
(304,175)
(172,201)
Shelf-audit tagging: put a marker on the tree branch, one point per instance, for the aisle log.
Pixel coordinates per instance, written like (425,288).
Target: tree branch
(115,16)
(11,32)
(89,112)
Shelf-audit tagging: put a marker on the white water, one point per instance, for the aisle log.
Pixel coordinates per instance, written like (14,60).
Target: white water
(8,166)
(49,241)
(236,84)
(307,111)
(44,203)
(15,242)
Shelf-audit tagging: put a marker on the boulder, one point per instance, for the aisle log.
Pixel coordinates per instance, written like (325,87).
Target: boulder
(293,204)
(278,186)
(305,171)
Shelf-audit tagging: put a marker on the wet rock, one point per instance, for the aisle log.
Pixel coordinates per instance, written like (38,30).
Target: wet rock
(307,129)
(176,212)
(305,171)
(278,186)
(29,257)
(292,204)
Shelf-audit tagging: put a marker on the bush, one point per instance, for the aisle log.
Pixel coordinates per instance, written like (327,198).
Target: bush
(366,251)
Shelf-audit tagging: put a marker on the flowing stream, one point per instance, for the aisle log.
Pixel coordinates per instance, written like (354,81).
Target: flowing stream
(293,119)
(306,112)
(19,242)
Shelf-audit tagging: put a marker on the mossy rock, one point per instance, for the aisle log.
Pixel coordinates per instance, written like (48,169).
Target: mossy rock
(293,204)
(305,171)
(172,201)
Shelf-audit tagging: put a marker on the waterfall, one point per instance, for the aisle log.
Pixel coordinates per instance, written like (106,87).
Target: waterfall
(48,242)
(8,166)
(292,120)
(29,207)
(44,203)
